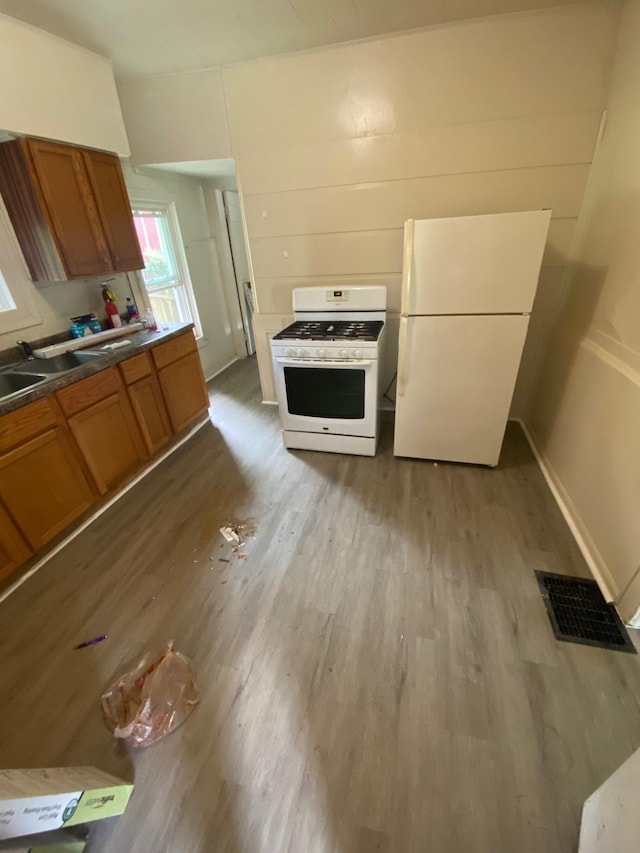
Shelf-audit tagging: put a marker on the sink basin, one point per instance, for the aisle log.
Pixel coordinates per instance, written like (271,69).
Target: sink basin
(59,363)
(11,383)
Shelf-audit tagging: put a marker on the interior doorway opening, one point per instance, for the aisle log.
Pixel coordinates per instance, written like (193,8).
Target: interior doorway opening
(220,196)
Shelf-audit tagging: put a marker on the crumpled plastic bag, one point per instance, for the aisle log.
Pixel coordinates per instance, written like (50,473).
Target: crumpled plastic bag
(152,700)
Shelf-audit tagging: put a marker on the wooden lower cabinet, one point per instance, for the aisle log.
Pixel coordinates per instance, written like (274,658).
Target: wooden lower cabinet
(184,390)
(13,548)
(43,487)
(108,438)
(60,453)
(148,406)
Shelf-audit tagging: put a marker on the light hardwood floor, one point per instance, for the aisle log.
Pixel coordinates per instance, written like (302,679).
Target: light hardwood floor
(378,674)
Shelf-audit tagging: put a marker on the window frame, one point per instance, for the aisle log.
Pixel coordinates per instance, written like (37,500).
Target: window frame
(16,275)
(168,208)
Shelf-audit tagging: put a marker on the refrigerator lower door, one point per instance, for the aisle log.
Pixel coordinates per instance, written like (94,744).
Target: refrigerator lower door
(456,377)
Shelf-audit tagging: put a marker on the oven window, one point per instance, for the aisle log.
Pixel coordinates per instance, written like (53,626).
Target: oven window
(323,392)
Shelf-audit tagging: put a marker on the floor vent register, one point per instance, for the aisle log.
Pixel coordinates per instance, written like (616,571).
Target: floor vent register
(579,613)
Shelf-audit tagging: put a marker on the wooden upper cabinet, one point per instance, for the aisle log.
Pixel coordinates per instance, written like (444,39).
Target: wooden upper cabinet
(69,208)
(107,183)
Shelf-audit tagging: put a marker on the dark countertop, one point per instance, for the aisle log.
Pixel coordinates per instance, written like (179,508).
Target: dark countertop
(140,342)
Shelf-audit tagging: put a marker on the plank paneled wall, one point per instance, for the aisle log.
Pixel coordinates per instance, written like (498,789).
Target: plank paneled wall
(335,148)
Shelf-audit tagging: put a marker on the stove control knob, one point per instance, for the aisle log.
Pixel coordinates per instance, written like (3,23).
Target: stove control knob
(300,353)
(321,353)
(290,352)
(357,353)
(344,353)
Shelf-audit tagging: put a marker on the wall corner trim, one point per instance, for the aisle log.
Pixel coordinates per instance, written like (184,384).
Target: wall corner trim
(588,549)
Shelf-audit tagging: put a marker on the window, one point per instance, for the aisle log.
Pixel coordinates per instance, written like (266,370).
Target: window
(166,275)
(17,304)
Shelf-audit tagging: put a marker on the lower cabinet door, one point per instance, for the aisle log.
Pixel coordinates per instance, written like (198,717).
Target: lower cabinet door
(184,390)
(148,407)
(109,440)
(42,486)
(13,548)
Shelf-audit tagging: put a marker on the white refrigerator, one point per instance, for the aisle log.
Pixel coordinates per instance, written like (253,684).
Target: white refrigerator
(468,286)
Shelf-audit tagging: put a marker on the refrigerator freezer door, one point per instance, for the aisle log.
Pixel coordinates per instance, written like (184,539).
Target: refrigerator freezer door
(455,382)
(474,264)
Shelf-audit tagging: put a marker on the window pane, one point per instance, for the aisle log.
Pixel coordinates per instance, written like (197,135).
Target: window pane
(170,305)
(152,229)
(6,299)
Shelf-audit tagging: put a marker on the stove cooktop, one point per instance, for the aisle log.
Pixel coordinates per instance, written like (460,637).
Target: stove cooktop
(331,330)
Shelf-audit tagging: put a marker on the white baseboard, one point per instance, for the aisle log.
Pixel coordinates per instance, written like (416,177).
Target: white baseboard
(72,535)
(221,370)
(585,543)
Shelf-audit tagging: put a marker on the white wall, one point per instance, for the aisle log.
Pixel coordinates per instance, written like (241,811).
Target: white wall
(58,301)
(585,418)
(216,345)
(57,90)
(335,148)
(175,118)
(218,226)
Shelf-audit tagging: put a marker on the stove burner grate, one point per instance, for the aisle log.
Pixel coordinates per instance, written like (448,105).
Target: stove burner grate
(331,330)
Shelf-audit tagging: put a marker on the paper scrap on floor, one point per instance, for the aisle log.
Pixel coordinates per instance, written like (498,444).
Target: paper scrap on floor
(230,534)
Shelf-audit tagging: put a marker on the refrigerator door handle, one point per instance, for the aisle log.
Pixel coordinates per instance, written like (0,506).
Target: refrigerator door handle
(403,341)
(407,264)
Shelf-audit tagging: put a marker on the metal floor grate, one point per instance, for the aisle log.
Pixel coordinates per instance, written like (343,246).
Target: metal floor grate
(579,614)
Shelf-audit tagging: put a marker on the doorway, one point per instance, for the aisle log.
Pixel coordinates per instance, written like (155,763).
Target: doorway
(240,264)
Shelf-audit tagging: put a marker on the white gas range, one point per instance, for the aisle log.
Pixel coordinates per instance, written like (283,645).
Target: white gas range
(326,369)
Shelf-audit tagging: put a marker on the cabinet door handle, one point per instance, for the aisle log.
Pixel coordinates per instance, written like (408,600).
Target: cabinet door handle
(117,259)
(105,261)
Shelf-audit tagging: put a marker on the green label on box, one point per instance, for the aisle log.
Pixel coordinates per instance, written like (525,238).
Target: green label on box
(96,804)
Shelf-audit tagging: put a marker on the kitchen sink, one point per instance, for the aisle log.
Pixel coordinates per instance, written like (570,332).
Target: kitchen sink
(11,383)
(59,363)
(19,377)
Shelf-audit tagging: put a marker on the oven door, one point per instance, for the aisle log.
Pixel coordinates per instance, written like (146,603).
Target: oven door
(338,397)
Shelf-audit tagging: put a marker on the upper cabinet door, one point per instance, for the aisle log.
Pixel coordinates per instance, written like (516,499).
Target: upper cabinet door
(72,213)
(110,192)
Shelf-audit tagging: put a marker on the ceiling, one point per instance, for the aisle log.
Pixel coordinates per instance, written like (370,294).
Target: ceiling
(164,36)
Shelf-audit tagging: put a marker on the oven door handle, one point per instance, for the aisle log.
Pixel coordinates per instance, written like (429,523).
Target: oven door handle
(318,362)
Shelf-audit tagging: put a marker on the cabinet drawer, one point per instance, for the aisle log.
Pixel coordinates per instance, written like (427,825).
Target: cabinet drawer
(88,391)
(26,422)
(135,368)
(173,350)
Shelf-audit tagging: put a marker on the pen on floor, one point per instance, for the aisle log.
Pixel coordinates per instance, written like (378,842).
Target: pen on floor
(91,642)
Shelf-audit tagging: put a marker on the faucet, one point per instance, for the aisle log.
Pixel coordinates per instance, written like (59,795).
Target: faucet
(27,350)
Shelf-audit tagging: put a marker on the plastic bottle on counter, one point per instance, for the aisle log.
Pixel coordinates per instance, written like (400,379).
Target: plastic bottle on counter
(150,320)
(132,310)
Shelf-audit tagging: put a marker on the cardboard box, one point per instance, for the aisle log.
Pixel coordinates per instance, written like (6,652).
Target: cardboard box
(33,801)
(58,841)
